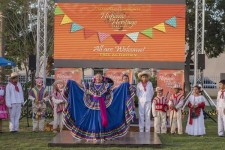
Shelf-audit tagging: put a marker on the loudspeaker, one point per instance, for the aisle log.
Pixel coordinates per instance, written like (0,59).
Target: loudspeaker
(201,61)
(32,62)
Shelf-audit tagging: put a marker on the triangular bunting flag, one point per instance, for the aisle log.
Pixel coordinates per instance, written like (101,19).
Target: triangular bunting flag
(118,37)
(148,32)
(102,36)
(181,13)
(88,33)
(66,20)
(160,27)
(172,22)
(75,27)
(133,36)
(58,11)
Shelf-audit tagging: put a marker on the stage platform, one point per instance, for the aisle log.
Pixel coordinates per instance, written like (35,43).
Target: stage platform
(132,139)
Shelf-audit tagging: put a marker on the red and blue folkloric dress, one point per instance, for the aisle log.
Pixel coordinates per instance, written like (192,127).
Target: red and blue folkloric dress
(98,112)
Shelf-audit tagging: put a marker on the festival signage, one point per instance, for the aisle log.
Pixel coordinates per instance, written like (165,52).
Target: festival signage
(66,74)
(167,78)
(116,75)
(93,34)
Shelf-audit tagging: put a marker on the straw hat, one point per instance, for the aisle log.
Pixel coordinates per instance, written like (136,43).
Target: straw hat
(14,74)
(177,86)
(158,89)
(145,72)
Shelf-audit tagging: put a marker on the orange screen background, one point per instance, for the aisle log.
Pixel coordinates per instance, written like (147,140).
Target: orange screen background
(168,46)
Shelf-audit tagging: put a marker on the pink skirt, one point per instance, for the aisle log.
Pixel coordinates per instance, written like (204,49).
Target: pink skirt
(3,112)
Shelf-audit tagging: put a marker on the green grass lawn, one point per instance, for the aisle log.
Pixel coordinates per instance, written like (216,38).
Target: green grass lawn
(26,139)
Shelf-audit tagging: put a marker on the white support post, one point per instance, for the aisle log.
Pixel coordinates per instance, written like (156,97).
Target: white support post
(41,56)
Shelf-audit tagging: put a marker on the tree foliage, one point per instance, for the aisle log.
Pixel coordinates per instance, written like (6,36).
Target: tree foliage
(19,29)
(214,32)
(214,27)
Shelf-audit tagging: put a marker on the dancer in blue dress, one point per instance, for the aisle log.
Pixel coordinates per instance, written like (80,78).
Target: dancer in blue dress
(96,112)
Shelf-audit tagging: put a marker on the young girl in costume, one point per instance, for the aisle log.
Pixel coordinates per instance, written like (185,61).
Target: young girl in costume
(58,105)
(195,124)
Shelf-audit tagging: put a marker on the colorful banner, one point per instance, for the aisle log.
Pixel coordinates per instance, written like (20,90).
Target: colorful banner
(65,74)
(116,75)
(167,78)
(134,32)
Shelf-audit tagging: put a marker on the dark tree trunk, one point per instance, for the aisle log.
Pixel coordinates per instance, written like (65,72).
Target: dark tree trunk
(187,87)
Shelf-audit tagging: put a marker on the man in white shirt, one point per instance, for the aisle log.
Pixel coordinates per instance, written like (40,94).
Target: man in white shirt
(144,93)
(14,100)
(221,108)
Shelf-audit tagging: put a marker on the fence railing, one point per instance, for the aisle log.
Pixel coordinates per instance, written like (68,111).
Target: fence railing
(210,82)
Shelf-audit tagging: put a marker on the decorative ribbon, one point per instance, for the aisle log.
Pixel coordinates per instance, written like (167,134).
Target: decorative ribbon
(197,110)
(191,110)
(103,111)
(162,107)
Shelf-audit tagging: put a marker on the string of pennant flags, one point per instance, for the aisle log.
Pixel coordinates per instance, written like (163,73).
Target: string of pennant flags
(102,36)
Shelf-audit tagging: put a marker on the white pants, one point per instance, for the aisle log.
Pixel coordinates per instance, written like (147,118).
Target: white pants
(160,122)
(58,120)
(221,121)
(144,116)
(38,124)
(14,114)
(176,121)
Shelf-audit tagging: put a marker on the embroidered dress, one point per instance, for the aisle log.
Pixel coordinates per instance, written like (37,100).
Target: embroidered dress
(195,123)
(97,112)
(58,104)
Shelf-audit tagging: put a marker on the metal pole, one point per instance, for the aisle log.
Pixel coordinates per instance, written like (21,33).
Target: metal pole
(45,41)
(196,43)
(203,26)
(186,99)
(203,39)
(209,98)
(38,41)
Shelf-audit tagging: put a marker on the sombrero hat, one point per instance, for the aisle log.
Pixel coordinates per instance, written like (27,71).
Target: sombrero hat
(145,72)
(14,74)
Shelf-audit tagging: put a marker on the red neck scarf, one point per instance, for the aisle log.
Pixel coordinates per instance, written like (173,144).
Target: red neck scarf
(222,94)
(16,87)
(144,85)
